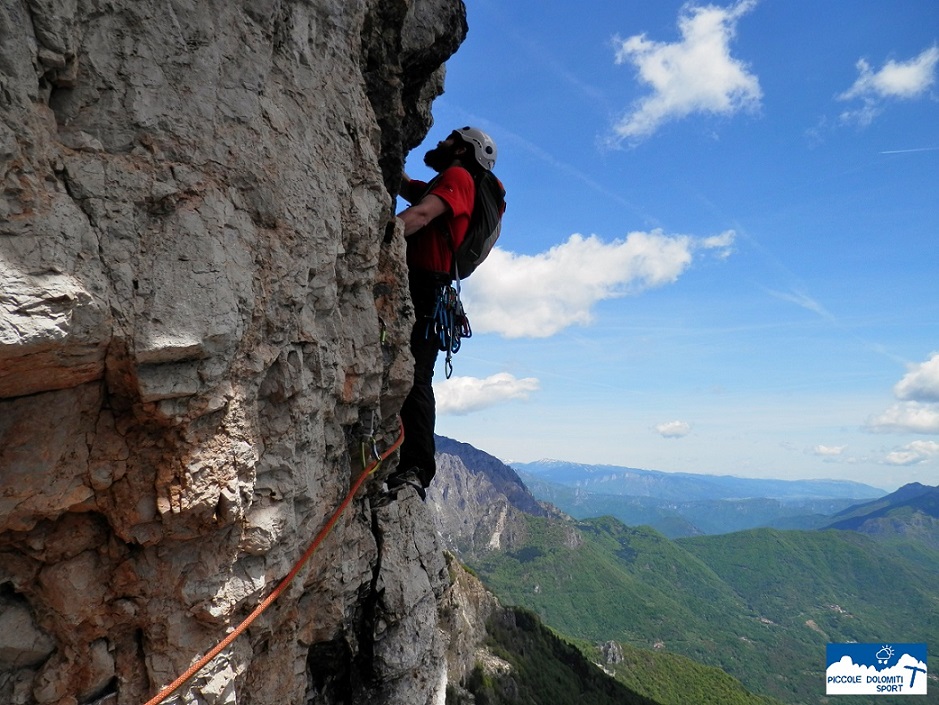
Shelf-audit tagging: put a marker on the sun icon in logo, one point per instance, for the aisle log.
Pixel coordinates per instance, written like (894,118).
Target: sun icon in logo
(884,655)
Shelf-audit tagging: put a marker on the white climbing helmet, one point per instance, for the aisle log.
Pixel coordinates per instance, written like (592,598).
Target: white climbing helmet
(483,146)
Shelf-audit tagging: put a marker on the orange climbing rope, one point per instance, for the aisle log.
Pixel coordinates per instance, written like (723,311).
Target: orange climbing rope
(269,600)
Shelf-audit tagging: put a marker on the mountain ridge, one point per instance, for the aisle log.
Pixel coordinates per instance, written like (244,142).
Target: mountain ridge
(474,521)
(685,486)
(676,519)
(686,504)
(910,512)
(761,604)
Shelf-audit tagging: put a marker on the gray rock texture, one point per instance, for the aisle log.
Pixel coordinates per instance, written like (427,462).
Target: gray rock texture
(479,504)
(203,321)
(471,515)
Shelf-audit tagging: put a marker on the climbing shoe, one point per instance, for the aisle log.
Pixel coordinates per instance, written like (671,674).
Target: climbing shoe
(408,477)
(394,484)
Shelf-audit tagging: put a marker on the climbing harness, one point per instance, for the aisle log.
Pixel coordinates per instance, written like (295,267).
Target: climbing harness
(282,586)
(449,323)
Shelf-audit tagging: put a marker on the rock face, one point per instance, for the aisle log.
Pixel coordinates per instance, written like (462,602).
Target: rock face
(203,331)
(470,514)
(478,503)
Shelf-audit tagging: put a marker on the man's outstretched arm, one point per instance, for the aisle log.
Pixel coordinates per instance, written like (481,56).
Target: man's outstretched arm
(419,215)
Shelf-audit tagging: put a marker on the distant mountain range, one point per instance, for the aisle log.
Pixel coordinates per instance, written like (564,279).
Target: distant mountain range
(682,486)
(685,504)
(759,604)
(912,512)
(481,507)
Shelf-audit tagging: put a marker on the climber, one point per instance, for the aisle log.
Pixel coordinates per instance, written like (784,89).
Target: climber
(439,209)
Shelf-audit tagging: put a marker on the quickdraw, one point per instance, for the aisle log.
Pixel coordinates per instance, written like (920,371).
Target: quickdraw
(449,324)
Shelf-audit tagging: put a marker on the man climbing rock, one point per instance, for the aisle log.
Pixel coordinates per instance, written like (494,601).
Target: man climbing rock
(440,210)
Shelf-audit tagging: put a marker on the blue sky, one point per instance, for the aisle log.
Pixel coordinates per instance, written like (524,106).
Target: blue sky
(720,249)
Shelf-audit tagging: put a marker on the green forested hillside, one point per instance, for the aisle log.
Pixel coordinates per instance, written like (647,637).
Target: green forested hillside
(547,669)
(851,586)
(759,604)
(676,680)
(586,580)
(544,669)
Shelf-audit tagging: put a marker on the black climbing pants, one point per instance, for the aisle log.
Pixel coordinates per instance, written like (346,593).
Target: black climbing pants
(419,412)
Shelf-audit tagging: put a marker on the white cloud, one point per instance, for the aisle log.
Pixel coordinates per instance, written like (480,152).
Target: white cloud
(723,242)
(901,80)
(918,407)
(461,395)
(895,80)
(694,75)
(914,453)
(537,296)
(907,417)
(921,383)
(673,429)
(829,451)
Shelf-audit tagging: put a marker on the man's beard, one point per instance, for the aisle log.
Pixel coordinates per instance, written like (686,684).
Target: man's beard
(440,157)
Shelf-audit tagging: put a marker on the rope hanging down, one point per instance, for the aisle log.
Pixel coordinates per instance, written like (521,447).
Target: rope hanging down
(449,324)
(282,586)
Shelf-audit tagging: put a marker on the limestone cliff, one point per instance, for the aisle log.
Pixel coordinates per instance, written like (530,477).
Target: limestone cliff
(478,503)
(203,318)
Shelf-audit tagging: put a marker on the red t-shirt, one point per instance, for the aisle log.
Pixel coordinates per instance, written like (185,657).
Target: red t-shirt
(429,248)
